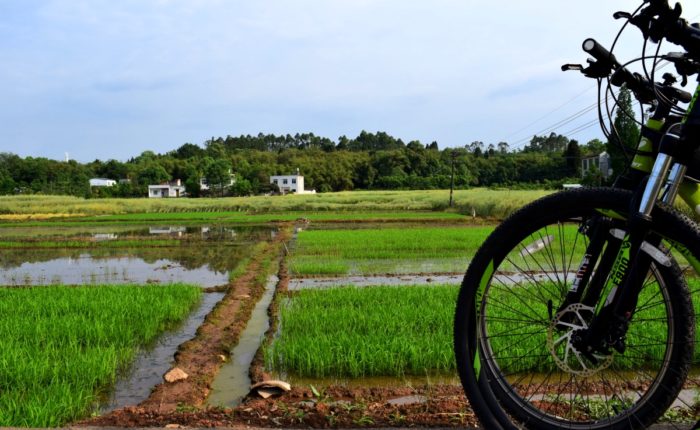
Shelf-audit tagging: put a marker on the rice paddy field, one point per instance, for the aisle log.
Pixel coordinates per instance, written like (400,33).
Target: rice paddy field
(62,348)
(386,250)
(153,243)
(398,331)
(359,332)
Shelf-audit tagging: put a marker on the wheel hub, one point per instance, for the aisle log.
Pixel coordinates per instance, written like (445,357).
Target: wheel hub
(565,332)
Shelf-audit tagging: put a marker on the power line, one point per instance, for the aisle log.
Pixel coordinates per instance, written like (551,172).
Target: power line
(547,114)
(558,124)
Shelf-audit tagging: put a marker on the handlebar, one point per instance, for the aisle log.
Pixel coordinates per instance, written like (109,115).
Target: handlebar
(606,64)
(600,53)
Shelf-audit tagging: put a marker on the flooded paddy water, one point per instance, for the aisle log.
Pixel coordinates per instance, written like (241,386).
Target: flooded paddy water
(196,255)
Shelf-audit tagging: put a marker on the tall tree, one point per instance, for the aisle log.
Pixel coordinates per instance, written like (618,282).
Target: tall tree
(573,158)
(218,174)
(594,147)
(625,134)
(152,173)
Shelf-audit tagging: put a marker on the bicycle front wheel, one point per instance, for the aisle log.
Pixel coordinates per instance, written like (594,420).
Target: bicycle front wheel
(513,329)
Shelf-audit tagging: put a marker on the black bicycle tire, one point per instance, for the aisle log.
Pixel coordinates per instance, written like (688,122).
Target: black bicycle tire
(667,222)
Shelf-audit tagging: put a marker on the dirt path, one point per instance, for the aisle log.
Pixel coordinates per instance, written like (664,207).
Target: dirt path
(332,407)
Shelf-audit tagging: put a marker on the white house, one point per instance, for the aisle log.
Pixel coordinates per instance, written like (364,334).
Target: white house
(169,189)
(600,162)
(290,184)
(102,182)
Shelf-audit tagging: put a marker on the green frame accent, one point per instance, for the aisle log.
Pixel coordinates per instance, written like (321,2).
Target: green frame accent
(644,159)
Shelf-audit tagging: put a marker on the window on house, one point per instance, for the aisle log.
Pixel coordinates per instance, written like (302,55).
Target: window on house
(284,181)
(294,181)
(275,181)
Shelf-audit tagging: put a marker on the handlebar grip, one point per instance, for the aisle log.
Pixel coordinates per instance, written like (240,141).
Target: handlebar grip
(599,52)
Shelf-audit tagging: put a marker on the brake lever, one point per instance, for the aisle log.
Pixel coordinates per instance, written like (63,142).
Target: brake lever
(621,14)
(597,69)
(684,65)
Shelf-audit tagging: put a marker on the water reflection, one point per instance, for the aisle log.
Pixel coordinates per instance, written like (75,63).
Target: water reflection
(202,255)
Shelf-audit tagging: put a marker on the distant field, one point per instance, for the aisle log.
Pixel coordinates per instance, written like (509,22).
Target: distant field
(243,217)
(480,202)
(62,347)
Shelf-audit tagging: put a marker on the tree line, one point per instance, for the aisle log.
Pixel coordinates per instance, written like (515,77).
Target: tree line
(369,161)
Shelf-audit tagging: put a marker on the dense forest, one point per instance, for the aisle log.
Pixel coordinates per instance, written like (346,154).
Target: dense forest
(369,161)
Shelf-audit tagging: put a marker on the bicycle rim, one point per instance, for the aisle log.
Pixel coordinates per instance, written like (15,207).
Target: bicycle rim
(524,346)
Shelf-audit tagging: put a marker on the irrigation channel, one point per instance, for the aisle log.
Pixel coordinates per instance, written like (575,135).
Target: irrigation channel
(233,381)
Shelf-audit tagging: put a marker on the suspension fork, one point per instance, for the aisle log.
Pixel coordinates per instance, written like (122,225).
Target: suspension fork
(633,261)
(600,242)
(598,228)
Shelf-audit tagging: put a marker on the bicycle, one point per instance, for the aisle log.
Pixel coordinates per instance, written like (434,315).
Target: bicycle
(576,311)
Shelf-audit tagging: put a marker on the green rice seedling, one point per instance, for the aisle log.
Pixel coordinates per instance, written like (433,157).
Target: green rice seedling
(397,331)
(386,250)
(61,348)
(365,332)
(398,243)
(401,250)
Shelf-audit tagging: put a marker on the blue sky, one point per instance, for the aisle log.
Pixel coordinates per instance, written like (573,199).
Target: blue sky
(110,79)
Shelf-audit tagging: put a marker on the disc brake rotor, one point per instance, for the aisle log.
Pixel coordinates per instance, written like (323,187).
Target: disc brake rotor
(559,343)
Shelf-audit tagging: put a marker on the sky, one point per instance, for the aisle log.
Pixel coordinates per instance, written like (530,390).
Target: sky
(106,79)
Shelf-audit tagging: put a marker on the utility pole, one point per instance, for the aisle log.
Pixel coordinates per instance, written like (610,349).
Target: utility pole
(452,176)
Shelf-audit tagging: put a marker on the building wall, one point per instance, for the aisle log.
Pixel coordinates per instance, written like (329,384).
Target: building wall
(102,182)
(160,191)
(289,183)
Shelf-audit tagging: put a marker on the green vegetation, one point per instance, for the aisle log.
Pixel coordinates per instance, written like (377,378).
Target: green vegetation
(61,348)
(356,205)
(243,217)
(396,331)
(364,332)
(386,250)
